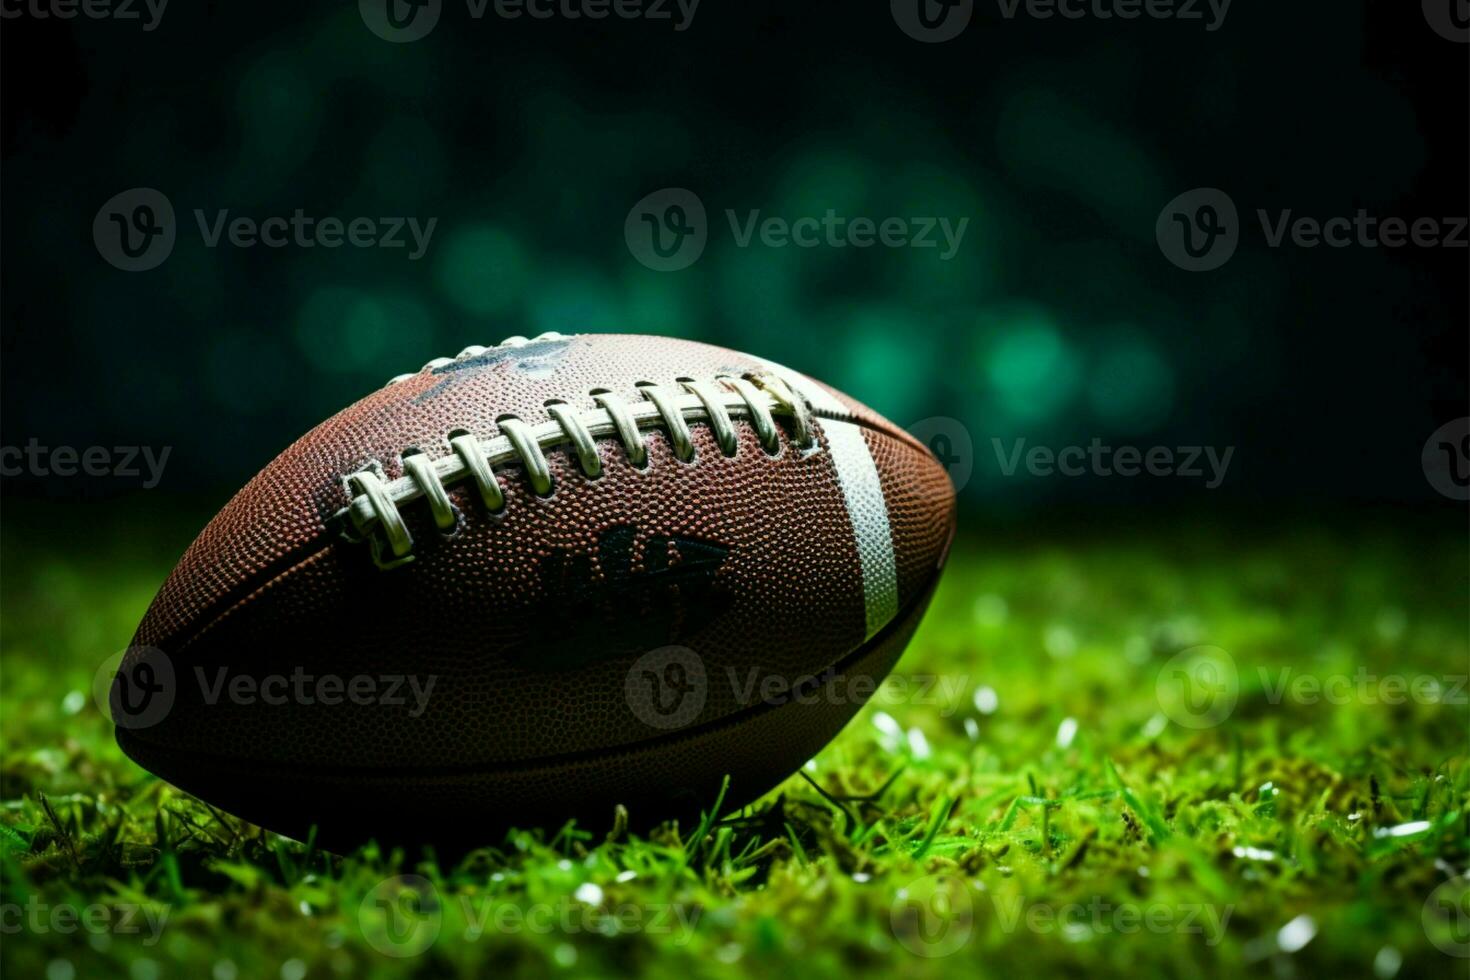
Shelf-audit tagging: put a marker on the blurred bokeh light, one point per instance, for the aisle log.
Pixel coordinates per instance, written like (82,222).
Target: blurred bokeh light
(1056,319)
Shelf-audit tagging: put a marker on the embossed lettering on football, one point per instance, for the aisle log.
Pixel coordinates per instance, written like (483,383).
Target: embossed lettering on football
(534,582)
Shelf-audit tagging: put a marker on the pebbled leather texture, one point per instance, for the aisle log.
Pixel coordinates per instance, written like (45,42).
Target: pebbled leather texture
(670,776)
(528,622)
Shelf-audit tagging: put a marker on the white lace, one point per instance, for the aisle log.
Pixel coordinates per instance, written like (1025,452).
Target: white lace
(376,502)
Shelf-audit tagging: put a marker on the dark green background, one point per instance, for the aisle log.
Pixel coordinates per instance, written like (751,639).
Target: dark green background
(1058,321)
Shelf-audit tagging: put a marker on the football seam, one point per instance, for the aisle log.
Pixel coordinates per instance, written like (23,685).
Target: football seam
(254,584)
(261,584)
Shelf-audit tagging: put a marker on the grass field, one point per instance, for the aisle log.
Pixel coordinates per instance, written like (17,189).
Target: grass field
(1147,748)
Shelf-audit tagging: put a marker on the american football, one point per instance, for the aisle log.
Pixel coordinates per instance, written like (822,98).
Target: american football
(535,582)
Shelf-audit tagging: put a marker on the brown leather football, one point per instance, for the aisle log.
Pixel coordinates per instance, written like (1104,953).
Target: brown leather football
(535,581)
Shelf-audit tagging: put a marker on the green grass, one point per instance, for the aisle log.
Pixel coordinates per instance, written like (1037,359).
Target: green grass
(1027,802)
